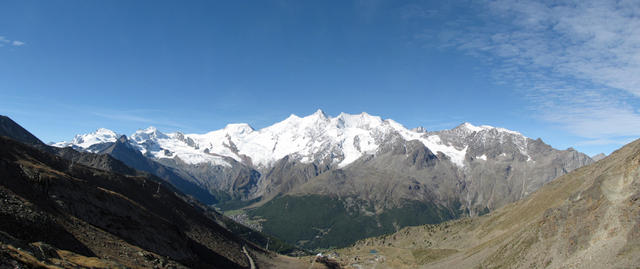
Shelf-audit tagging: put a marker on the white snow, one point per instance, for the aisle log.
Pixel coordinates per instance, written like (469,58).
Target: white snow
(154,142)
(480,128)
(309,138)
(84,141)
(318,136)
(473,128)
(435,144)
(483,157)
(341,139)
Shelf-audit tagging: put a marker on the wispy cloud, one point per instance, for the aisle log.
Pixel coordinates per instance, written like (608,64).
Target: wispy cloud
(599,142)
(578,62)
(8,42)
(136,116)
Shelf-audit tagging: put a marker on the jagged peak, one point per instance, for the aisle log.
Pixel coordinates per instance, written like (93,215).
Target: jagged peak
(98,132)
(150,129)
(319,113)
(292,116)
(149,132)
(123,139)
(104,130)
(598,157)
(419,129)
(239,128)
(357,120)
(100,135)
(473,128)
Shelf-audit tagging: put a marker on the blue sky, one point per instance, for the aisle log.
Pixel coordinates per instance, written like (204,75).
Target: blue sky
(568,72)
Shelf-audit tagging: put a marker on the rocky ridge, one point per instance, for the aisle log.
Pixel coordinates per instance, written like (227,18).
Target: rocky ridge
(377,170)
(58,212)
(585,219)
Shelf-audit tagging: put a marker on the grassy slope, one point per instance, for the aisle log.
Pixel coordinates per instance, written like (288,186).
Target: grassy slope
(588,218)
(314,221)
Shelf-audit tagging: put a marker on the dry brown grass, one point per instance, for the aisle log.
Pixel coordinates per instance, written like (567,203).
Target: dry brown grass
(564,224)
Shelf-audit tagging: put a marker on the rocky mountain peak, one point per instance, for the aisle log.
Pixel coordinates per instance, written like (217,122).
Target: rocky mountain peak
(123,139)
(419,129)
(316,137)
(150,133)
(598,157)
(85,141)
(319,113)
(238,129)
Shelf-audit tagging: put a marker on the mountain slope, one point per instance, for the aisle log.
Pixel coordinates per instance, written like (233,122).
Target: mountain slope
(246,164)
(373,172)
(588,218)
(405,184)
(121,150)
(43,194)
(58,212)
(10,128)
(92,142)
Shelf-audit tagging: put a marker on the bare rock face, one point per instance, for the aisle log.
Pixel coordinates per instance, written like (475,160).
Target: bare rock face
(587,218)
(598,157)
(499,179)
(287,174)
(236,181)
(95,212)
(468,170)
(60,213)
(494,175)
(477,168)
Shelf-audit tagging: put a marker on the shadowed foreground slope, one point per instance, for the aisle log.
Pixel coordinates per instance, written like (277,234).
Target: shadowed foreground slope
(55,212)
(589,218)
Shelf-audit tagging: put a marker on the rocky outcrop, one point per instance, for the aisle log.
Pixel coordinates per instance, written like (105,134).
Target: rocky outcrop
(587,218)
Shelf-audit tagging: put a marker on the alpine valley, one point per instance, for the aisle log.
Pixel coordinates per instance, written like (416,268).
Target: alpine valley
(321,182)
(60,208)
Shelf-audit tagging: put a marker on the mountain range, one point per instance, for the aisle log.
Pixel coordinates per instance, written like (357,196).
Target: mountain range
(63,208)
(589,218)
(66,209)
(321,181)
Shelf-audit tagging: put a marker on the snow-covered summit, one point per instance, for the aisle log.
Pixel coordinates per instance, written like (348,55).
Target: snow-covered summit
(485,137)
(148,134)
(309,138)
(85,141)
(317,137)
(472,128)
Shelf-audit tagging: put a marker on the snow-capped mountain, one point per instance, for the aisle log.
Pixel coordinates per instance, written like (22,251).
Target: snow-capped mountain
(158,145)
(486,141)
(367,164)
(279,158)
(85,141)
(342,139)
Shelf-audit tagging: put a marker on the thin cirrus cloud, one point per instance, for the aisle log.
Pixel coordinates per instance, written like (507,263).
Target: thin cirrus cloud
(8,42)
(576,61)
(135,116)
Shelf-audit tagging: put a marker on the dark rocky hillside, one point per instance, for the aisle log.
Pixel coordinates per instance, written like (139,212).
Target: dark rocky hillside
(10,128)
(59,212)
(134,221)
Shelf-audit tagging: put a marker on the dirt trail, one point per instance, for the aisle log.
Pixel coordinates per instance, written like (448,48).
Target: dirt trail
(251,263)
